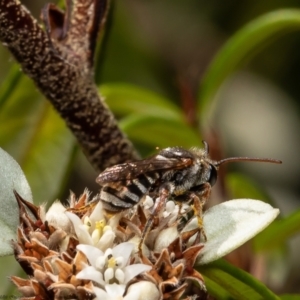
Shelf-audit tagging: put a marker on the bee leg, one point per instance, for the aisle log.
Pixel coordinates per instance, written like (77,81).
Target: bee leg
(199,199)
(198,212)
(179,209)
(164,193)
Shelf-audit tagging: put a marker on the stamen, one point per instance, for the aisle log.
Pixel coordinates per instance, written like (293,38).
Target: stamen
(87,223)
(119,261)
(120,276)
(100,262)
(111,263)
(108,275)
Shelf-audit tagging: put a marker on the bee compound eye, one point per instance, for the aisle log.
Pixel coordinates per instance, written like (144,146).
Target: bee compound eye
(178,177)
(213,175)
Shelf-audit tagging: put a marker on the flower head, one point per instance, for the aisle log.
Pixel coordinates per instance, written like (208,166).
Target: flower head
(110,268)
(82,252)
(93,229)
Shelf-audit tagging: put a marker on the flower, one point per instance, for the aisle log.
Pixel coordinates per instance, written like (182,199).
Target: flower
(93,230)
(142,290)
(110,269)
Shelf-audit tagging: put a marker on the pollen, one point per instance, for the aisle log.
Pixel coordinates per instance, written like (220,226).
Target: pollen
(98,231)
(199,218)
(111,263)
(200,222)
(100,224)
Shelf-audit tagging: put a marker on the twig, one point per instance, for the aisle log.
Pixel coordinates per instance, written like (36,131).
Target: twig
(60,62)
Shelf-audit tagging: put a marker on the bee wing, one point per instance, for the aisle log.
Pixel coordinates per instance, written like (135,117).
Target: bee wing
(132,170)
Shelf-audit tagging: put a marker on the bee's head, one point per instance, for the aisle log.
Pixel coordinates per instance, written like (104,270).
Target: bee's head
(210,167)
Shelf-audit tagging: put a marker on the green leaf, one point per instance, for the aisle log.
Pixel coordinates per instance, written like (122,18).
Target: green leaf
(290,297)
(216,290)
(230,224)
(278,232)
(11,178)
(49,156)
(238,283)
(37,138)
(10,83)
(126,99)
(241,186)
(159,131)
(29,127)
(150,118)
(9,267)
(241,47)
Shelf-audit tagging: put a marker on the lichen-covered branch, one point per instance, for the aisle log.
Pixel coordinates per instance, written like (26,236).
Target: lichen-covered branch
(60,62)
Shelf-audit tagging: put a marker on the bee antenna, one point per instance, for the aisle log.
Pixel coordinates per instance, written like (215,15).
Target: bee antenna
(233,159)
(206,147)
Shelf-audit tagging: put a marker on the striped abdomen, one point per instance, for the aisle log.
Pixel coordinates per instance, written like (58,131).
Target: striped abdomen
(119,196)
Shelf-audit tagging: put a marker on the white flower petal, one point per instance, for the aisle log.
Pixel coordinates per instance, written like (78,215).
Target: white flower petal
(134,270)
(96,236)
(133,294)
(56,217)
(100,262)
(83,235)
(192,224)
(232,223)
(165,238)
(174,216)
(92,253)
(124,250)
(170,206)
(74,219)
(106,241)
(115,290)
(148,202)
(80,229)
(143,290)
(90,273)
(97,213)
(100,294)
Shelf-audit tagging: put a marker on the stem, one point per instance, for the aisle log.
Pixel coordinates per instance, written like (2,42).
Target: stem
(59,61)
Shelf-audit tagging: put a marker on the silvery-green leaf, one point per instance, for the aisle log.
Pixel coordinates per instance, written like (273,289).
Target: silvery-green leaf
(232,223)
(11,178)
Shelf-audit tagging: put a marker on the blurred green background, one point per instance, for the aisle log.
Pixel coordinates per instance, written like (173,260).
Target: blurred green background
(163,49)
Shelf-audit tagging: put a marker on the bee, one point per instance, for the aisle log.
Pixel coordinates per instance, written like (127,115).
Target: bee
(174,172)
